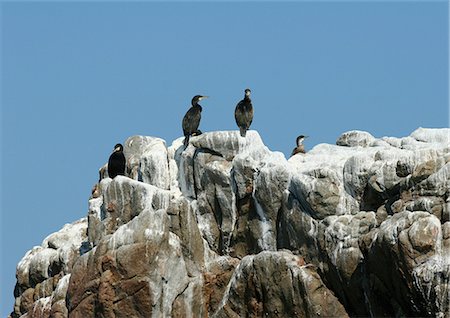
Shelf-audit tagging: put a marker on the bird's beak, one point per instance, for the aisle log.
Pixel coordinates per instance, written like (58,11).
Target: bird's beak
(306,136)
(203,97)
(116,149)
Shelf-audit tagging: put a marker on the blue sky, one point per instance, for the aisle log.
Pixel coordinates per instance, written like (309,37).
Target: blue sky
(78,77)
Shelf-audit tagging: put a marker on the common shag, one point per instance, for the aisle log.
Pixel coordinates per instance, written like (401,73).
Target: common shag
(116,162)
(244,113)
(191,120)
(300,147)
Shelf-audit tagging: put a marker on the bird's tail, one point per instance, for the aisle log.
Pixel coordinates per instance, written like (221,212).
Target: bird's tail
(243,131)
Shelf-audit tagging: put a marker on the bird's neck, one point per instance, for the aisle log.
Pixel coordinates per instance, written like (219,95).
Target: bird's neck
(197,106)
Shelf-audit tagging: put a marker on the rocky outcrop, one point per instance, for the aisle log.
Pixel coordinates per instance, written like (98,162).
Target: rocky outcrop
(227,228)
(277,284)
(44,272)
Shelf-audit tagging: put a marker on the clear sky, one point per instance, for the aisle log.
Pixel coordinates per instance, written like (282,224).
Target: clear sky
(78,77)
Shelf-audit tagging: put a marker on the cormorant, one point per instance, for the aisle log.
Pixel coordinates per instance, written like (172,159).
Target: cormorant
(244,113)
(191,120)
(116,162)
(300,147)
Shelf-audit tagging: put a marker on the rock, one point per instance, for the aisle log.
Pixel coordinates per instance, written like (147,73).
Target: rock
(26,302)
(216,279)
(270,184)
(174,151)
(403,169)
(39,271)
(184,162)
(320,192)
(318,181)
(276,284)
(357,171)
(147,160)
(58,308)
(297,231)
(124,199)
(227,228)
(216,199)
(437,183)
(355,138)
(339,239)
(23,269)
(229,143)
(184,224)
(432,136)
(41,308)
(408,258)
(144,263)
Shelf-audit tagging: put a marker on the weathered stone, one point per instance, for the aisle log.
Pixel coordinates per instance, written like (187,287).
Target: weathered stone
(184,161)
(297,231)
(319,192)
(190,302)
(147,160)
(43,266)
(124,199)
(185,225)
(339,240)
(357,171)
(276,284)
(216,279)
(40,264)
(229,143)
(59,309)
(144,263)
(271,184)
(317,181)
(408,259)
(227,228)
(437,183)
(45,288)
(355,138)
(432,135)
(27,300)
(216,199)
(403,169)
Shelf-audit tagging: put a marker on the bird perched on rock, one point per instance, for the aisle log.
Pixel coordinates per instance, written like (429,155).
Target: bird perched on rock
(191,120)
(116,162)
(244,113)
(300,147)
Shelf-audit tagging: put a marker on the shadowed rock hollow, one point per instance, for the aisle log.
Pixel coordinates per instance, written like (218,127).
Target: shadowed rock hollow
(228,228)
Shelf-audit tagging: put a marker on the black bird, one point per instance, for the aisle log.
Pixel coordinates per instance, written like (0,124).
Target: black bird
(191,120)
(300,147)
(116,162)
(244,113)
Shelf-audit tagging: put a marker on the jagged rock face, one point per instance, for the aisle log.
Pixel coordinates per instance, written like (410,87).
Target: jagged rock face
(277,284)
(227,228)
(44,272)
(412,243)
(137,271)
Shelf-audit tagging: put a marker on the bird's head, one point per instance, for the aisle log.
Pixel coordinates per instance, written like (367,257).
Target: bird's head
(197,98)
(300,139)
(118,147)
(247,92)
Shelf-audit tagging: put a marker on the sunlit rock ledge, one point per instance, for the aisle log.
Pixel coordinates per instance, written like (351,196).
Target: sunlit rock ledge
(228,228)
